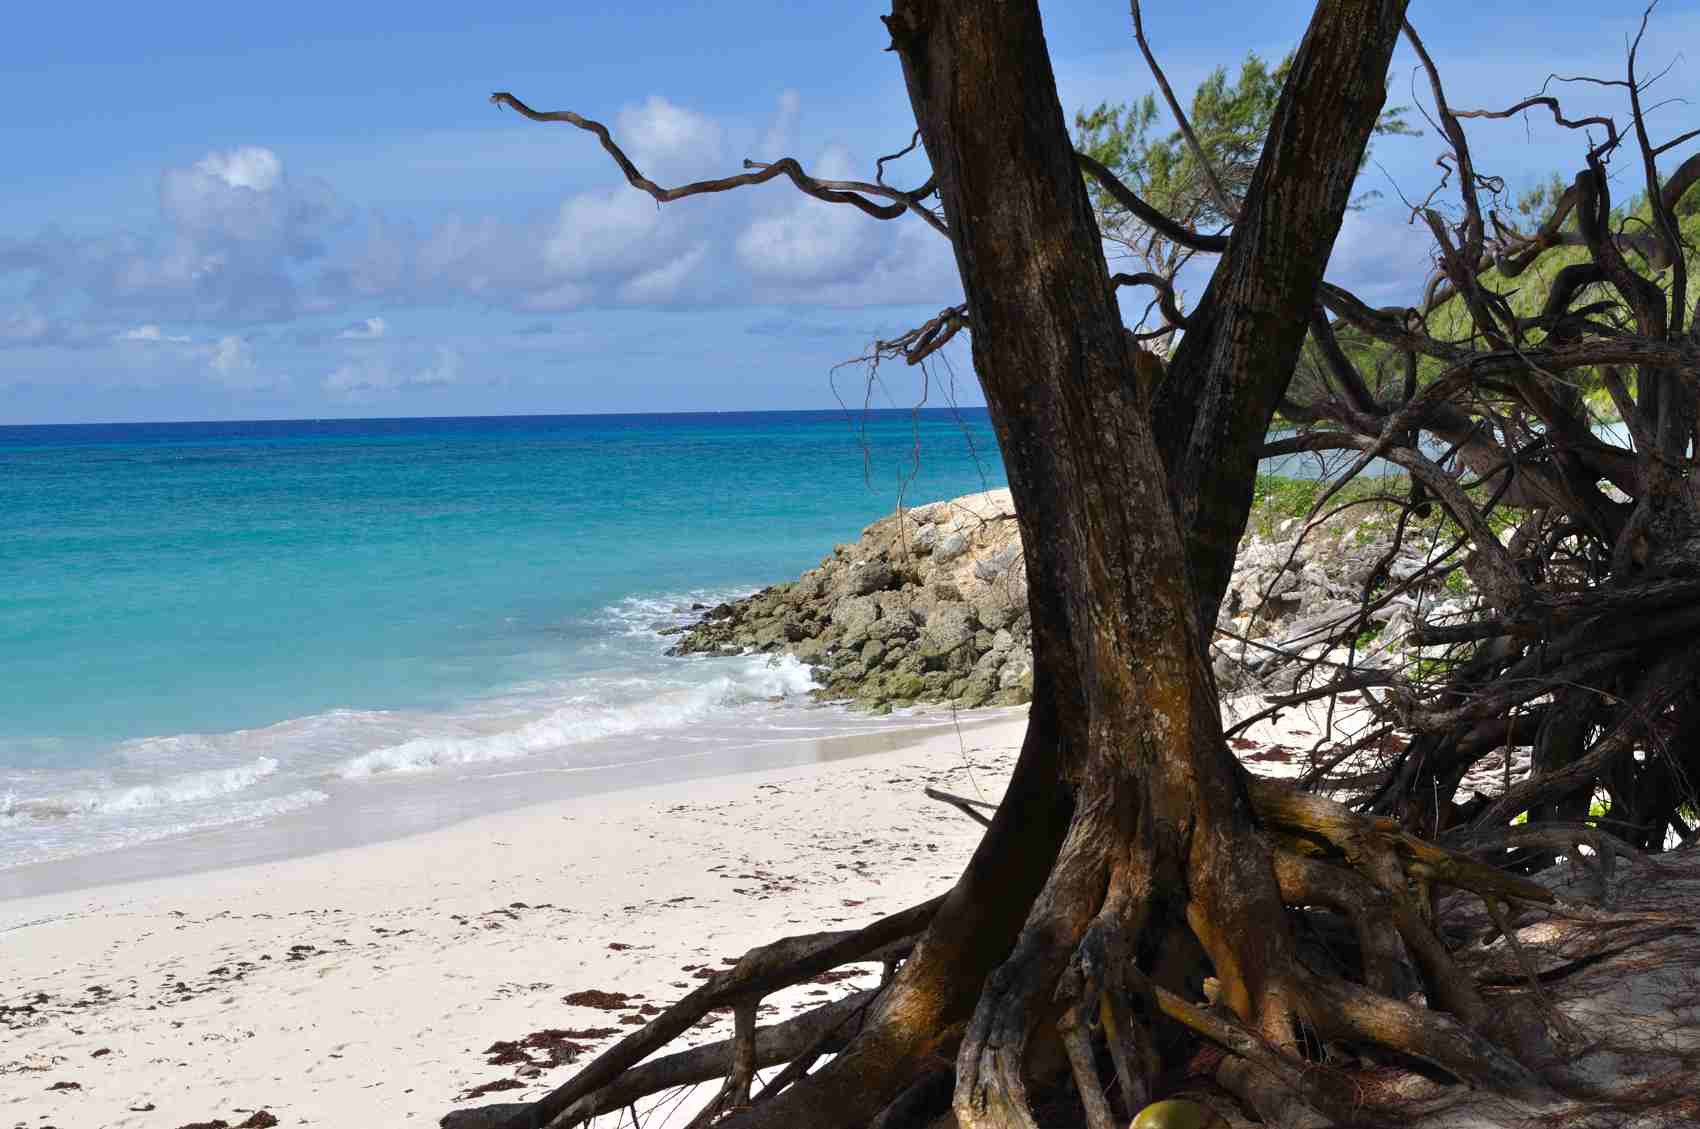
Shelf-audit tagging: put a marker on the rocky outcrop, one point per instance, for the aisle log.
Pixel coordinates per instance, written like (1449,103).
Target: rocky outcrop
(1292,600)
(930,605)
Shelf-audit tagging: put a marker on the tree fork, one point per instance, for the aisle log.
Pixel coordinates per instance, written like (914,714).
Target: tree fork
(1127,817)
(1114,617)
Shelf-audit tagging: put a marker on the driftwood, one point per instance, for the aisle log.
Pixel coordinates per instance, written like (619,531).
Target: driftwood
(969,808)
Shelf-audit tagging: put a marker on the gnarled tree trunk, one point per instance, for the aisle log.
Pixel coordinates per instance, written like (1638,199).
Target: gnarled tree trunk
(1127,814)
(1162,837)
(1131,856)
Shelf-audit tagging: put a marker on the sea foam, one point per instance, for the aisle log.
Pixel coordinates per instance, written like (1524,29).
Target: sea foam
(189,788)
(49,841)
(755,679)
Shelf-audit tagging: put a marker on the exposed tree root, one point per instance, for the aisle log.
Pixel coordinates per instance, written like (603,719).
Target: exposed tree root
(821,1030)
(1070,999)
(1084,996)
(1136,892)
(760,972)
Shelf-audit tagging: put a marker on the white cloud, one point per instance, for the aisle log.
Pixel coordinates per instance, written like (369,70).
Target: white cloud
(469,253)
(231,363)
(900,261)
(369,330)
(1381,257)
(356,379)
(566,296)
(24,327)
(551,339)
(366,377)
(235,231)
(781,135)
(811,243)
(665,282)
(248,241)
(809,240)
(247,167)
(666,140)
(379,263)
(241,198)
(613,231)
(228,361)
(445,370)
(150,334)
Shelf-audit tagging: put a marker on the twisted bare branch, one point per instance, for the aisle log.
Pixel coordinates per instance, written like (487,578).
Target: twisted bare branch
(1148,215)
(1225,203)
(856,193)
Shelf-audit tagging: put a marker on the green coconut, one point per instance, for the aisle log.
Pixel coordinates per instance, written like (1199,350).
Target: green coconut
(1174,1113)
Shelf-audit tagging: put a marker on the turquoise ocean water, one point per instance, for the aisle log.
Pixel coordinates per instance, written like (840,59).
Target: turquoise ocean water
(206,626)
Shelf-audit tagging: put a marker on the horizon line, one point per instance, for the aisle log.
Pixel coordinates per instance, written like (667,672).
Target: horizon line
(845,411)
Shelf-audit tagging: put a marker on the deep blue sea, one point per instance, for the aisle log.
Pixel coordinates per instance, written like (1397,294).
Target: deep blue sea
(214,624)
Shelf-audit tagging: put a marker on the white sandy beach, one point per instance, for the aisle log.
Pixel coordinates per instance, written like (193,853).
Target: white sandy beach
(360,986)
(368,985)
(364,985)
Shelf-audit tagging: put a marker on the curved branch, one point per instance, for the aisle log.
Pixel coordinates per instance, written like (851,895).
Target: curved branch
(1662,685)
(1496,574)
(1165,294)
(1467,176)
(1593,211)
(759,972)
(923,341)
(1351,381)
(1224,202)
(1664,216)
(1398,327)
(879,165)
(1308,442)
(852,192)
(1148,215)
(824,1029)
(1550,103)
(1686,176)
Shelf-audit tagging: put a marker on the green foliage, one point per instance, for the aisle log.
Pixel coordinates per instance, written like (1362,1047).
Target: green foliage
(1538,202)
(1526,294)
(1276,498)
(1230,121)
(1230,118)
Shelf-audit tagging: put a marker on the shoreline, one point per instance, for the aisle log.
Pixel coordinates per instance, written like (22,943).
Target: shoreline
(295,985)
(371,813)
(494,955)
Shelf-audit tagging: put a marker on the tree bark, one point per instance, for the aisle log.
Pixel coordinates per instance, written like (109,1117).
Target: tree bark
(1162,830)
(1234,364)
(1129,833)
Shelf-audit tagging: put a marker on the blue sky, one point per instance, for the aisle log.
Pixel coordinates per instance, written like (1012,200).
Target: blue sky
(219,211)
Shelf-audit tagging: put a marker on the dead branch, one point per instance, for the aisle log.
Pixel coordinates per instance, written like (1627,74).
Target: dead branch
(1226,204)
(823,1029)
(761,971)
(852,192)
(923,341)
(1148,215)
(963,804)
(1165,294)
